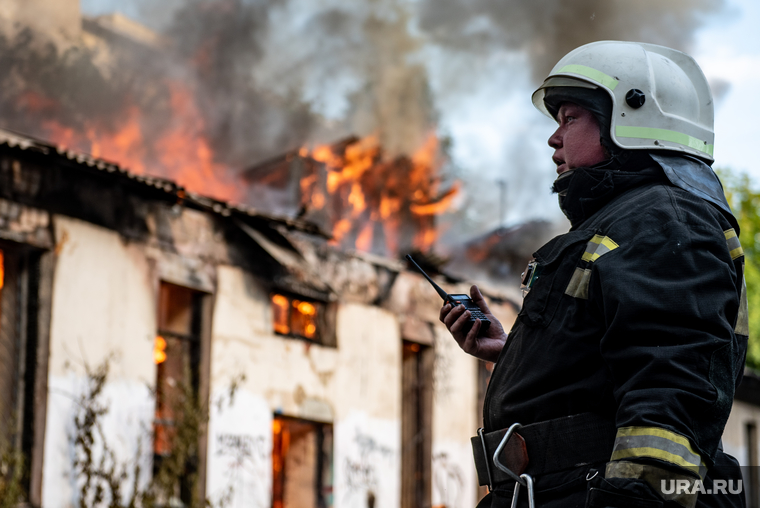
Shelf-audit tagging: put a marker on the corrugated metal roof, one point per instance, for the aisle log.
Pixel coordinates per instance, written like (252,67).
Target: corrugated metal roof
(211,205)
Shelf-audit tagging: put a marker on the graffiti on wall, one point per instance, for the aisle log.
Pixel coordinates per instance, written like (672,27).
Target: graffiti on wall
(363,469)
(442,373)
(244,457)
(448,482)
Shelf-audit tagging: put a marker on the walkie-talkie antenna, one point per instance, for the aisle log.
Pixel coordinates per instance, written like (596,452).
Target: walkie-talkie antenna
(443,294)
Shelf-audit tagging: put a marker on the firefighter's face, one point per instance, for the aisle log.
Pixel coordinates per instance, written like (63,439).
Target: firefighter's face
(576,141)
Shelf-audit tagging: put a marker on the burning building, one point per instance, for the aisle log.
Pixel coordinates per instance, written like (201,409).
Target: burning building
(327,377)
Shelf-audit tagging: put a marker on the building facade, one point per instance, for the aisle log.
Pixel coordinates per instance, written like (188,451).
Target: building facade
(323,377)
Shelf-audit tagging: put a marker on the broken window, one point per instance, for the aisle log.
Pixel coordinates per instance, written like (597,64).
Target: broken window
(21,398)
(302,468)
(416,435)
(177,354)
(300,317)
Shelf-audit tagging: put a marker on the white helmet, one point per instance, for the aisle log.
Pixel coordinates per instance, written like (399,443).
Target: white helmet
(660,97)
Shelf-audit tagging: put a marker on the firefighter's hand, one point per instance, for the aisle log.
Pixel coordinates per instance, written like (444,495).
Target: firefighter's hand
(486,347)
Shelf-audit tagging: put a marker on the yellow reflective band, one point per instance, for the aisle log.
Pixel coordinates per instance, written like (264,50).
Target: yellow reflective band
(626,131)
(656,453)
(591,73)
(734,246)
(598,246)
(657,443)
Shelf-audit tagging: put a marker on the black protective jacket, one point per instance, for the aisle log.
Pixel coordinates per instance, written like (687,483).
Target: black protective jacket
(637,314)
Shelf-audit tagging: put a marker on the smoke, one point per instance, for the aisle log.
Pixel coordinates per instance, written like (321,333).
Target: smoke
(548,29)
(357,64)
(268,76)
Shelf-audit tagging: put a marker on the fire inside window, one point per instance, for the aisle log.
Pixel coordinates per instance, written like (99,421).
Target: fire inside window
(295,317)
(302,463)
(176,353)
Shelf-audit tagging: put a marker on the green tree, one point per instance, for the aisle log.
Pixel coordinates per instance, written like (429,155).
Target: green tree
(744,198)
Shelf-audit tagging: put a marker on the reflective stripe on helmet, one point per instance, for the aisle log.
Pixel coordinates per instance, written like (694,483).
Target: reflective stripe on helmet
(624,131)
(591,73)
(657,443)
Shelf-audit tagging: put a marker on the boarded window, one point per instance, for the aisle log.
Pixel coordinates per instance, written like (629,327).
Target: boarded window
(177,354)
(302,466)
(304,318)
(416,435)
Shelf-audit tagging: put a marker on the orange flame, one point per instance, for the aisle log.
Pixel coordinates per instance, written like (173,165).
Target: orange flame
(180,153)
(372,201)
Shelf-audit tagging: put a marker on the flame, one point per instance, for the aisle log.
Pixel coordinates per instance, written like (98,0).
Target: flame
(180,152)
(371,201)
(159,350)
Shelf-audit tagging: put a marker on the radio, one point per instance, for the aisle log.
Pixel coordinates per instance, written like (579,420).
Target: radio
(475,312)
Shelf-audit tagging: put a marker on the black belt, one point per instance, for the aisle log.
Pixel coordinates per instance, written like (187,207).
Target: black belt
(552,445)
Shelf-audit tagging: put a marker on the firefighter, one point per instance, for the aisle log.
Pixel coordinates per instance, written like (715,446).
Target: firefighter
(613,387)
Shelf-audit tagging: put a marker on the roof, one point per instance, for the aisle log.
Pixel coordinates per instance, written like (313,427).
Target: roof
(172,189)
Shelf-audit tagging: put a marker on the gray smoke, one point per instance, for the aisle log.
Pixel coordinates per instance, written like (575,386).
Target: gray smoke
(548,29)
(272,75)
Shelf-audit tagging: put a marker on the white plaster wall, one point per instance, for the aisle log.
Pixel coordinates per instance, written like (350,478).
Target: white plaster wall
(453,478)
(240,449)
(356,386)
(455,420)
(103,308)
(367,462)
(734,435)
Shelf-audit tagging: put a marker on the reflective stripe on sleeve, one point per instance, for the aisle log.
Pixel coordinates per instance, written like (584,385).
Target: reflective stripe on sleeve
(591,73)
(734,246)
(628,131)
(657,443)
(598,246)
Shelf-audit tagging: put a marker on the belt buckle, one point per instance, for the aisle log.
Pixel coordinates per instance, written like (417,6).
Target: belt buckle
(485,454)
(496,461)
(523,479)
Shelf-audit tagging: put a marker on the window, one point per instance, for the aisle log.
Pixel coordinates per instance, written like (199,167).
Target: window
(416,438)
(177,354)
(302,469)
(23,357)
(300,317)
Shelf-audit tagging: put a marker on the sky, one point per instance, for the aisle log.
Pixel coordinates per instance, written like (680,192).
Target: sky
(729,49)
(484,106)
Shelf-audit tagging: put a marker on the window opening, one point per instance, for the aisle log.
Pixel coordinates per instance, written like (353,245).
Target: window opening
(302,463)
(295,316)
(176,354)
(416,436)
(19,282)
